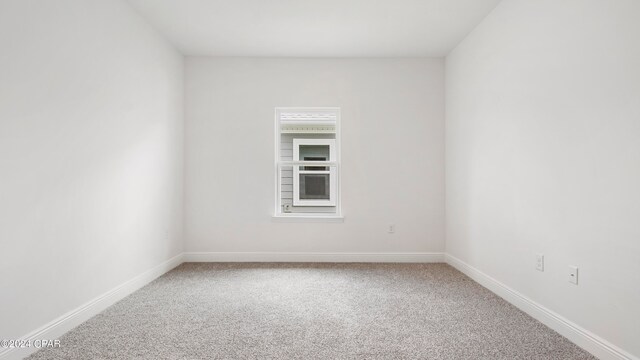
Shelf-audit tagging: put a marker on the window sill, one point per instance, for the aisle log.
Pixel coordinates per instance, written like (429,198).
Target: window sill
(307,218)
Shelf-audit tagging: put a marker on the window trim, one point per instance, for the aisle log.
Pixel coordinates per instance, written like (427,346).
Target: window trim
(278,215)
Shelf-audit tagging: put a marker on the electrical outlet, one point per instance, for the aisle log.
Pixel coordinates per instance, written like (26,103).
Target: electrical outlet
(391,229)
(540,262)
(573,274)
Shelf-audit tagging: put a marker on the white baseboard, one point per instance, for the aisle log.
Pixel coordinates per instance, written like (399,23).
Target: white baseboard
(590,342)
(68,321)
(312,257)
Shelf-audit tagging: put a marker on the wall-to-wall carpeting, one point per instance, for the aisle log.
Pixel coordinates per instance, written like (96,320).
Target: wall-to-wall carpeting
(313,311)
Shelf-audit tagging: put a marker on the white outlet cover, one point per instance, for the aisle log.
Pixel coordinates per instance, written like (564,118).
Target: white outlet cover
(573,274)
(540,262)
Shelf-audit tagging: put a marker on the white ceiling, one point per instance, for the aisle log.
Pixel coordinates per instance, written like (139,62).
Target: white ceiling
(315,28)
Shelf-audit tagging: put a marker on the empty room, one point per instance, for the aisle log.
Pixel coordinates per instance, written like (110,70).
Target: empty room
(320,179)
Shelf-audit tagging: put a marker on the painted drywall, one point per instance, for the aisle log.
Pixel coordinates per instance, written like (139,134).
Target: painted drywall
(392,153)
(543,156)
(91,155)
(290,28)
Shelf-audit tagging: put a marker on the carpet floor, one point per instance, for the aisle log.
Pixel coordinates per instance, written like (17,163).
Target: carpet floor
(312,311)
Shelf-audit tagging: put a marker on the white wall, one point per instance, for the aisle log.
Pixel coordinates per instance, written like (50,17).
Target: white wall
(392,153)
(543,156)
(91,139)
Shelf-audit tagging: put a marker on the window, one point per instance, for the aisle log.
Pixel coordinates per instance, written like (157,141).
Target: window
(307,162)
(312,185)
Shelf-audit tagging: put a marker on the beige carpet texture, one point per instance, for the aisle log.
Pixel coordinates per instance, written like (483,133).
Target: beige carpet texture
(312,311)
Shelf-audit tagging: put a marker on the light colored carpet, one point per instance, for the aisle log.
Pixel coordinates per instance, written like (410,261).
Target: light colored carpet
(313,311)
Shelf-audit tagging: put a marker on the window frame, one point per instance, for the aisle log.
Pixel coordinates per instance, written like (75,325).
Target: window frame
(331,172)
(278,214)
